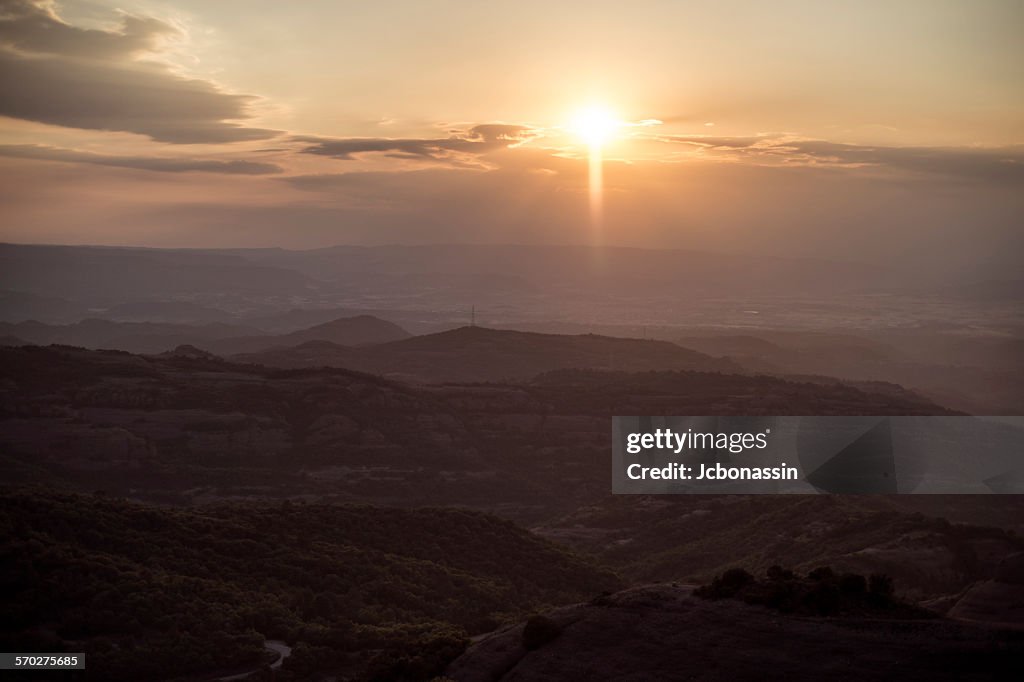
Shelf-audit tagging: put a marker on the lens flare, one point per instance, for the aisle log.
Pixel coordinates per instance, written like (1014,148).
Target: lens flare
(595,125)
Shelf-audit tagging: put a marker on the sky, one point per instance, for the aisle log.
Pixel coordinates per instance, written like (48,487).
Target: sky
(863,130)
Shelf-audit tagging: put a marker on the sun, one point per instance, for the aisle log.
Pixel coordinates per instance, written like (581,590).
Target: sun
(595,125)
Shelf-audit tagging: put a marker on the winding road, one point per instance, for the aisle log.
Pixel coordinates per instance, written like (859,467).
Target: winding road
(282,650)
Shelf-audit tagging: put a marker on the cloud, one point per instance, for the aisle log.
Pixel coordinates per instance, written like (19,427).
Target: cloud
(1005,164)
(713,206)
(461,146)
(501,134)
(705,204)
(987,164)
(710,142)
(34,27)
(55,73)
(158,164)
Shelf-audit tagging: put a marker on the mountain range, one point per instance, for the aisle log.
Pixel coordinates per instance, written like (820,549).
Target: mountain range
(220,338)
(190,427)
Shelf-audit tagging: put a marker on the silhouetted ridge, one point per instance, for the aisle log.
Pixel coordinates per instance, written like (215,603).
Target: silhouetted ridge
(189,351)
(176,428)
(350,331)
(480,354)
(219,338)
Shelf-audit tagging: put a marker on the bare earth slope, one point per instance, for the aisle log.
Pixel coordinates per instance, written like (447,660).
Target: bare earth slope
(662,632)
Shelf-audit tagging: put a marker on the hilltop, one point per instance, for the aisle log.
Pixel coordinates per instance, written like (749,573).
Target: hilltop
(360,330)
(478,354)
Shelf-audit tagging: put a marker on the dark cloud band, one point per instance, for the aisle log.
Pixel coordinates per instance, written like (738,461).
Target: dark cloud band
(476,140)
(1004,164)
(157,164)
(55,73)
(34,28)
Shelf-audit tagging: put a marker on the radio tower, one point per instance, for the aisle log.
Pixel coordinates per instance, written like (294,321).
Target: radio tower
(472,316)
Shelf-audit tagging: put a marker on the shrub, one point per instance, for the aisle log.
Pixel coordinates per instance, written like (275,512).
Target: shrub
(782,595)
(735,578)
(726,585)
(819,594)
(822,599)
(539,630)
(779,573)
(880,585)
(852,583)
(822,573)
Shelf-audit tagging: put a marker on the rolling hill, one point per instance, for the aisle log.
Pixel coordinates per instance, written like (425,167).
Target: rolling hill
(185,427)
(477,354)
(156,593)
(219,338)
(359,330)
(134,337)
(981,373)
(909,537)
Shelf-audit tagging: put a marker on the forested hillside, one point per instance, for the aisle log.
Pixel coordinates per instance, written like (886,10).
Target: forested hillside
(188,428)
(152,593)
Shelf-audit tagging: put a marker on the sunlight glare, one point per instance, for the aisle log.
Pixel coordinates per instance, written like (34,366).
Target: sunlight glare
(595,125)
